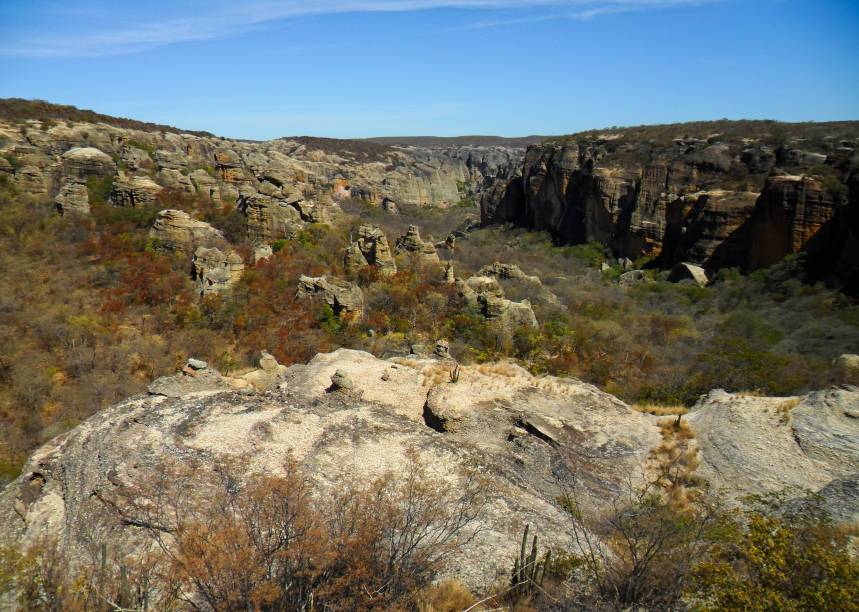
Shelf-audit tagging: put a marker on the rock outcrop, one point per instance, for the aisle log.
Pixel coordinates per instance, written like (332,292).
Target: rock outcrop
(764,445)
(73,199)
(83,163)
(370,248)
(215,271)
(349,417)
(687,272)
(175,231)
(412,244)
(527,435)
(484,294)
(792,215)
(343,297)
(134,191)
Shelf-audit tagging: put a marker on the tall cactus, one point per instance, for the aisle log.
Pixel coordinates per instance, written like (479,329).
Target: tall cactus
(528,572)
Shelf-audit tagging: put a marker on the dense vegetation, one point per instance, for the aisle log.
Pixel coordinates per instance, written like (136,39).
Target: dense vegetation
(90,312)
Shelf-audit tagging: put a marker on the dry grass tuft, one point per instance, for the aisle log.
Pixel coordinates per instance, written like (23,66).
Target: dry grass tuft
(660,409)
(447,596)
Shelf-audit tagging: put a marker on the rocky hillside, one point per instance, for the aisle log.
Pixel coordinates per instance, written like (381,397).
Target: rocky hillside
(717,194)
(349,417)
(36,139)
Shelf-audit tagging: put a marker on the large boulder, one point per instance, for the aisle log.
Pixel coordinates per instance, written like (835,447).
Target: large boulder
(486,295)
(82,163)
(134,191)
(175,231)
(688,272)
(215,271)
(847,369)
(343,297)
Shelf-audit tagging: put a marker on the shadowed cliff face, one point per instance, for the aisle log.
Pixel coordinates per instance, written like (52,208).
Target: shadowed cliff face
(722,194)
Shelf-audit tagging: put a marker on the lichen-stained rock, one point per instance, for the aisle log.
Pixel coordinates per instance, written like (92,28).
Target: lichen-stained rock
(343,297)
(73,199)
(82,163)
(269,219)
(215,271)
(846,369)
(175,231)
(134,191)
(372,245)
(342,437)
(411,243)
(790,216)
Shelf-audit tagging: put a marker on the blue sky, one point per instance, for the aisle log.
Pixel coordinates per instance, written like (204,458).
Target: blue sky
(354,68)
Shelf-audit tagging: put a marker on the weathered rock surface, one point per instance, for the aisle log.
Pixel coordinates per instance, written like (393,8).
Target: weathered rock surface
(847,369)
(73,199)
(715,201)
(525,433)
(343,297)
(687,272)
(214,270)
(134,191)
(529,435)
(485,294)
(412,243)
(761,445)
(370,248)
(789,217)
(176,231)
(82,163)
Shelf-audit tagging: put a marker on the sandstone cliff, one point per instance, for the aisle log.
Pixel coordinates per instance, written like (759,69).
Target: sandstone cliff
(717,194)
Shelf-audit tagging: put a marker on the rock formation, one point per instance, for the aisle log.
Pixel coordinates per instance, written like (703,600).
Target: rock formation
(792,215)
(760,445)
(412,244)
(82,163)
(73,199)
(175,231)
(486,295)
(524,432)
(215,271)
(134,191)
(716,201)
(687,272)
(370,248)
(343,297)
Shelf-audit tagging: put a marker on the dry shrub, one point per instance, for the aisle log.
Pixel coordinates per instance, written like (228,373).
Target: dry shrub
(675,460)
(269,542)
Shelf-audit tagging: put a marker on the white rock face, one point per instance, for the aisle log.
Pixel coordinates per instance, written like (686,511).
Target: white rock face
(215,271)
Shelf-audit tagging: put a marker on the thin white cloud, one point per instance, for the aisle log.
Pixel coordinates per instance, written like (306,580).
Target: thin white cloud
(230,20)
